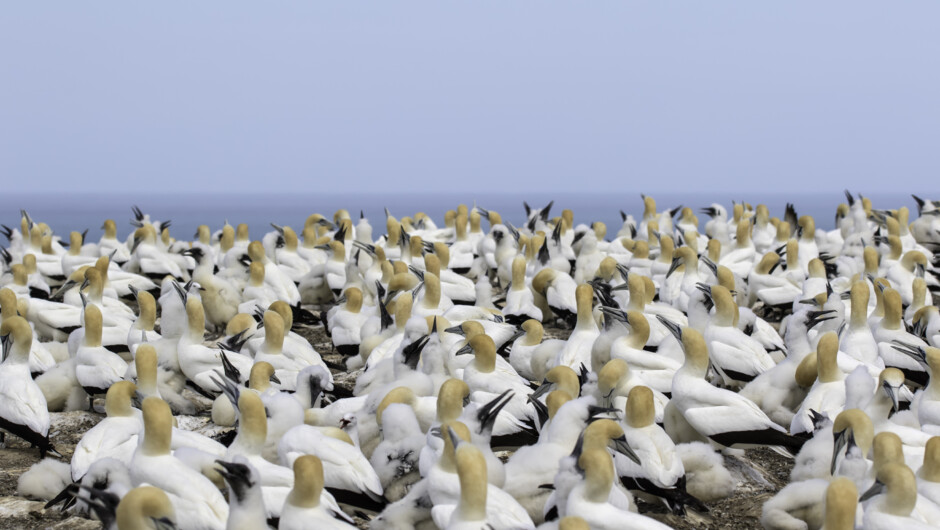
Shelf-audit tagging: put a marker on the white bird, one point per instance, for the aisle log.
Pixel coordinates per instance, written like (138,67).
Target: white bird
(558,290)
(827,395)
(577,350)
(736,356)
(149,505)
(520,302)
(96,367)
(470,511)
(893,499)
(588,500)
(194,497)
(530,355)
(395,458)
(113,437)
(724,417)
(347,472)
(660,469)
(23,410)
(246,501)
(502,511)
(198,362)
(305,506)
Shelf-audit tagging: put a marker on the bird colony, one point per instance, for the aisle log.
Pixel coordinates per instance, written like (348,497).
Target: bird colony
(479,374)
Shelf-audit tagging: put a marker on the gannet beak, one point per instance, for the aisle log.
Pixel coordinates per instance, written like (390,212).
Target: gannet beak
(65,287)
(516,335)
(673,328)
(622,447)
(673,266)
(457,330)
(488,413)
(893,394)
(541,390)
(839,441)
(914,352)
(598,413)
(876,489)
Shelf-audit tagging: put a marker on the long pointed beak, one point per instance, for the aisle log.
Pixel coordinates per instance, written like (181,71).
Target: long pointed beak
(839,441)
(876,489)
(490,411)
(893,394)
(673,266)
(454,437)
(466,349)
(515,336)
(316,389)
(614,313)
(914,352)
(622,447)
(818,317)
(541,390)
(673,328)
(597,413)
(5,344)
(61,290)
(457,330)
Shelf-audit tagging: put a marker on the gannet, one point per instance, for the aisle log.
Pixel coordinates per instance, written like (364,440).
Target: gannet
(724,417)
(23,409)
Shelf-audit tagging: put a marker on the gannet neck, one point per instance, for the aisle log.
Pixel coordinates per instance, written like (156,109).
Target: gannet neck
(195,318)
(22,335)
(141,506)
(859,295)
(555,400)
(253,421)
(308,482)
(533,332)
(725,306)
(826,352)
(447,462)
(484,350)
(930,470)
(598,469)
(893,310)
(145,360)
(471,470)
(260,376)
(92,326)
(118,399)
(273,332)
(158,427)
(148,311)
(584,296)
(564,379)
(841,504)
(639,411)
(450,400)
(639,329)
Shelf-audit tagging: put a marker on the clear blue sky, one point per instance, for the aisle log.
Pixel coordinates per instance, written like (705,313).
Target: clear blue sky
(404,95)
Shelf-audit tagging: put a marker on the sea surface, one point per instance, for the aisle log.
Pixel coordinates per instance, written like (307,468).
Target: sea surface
(66,212)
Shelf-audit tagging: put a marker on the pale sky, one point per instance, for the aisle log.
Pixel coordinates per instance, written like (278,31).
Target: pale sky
(340,96)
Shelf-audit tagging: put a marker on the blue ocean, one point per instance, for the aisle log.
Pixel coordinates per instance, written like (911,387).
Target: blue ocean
(66,212)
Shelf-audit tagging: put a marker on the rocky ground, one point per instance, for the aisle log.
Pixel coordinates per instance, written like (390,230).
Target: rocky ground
(760,472)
